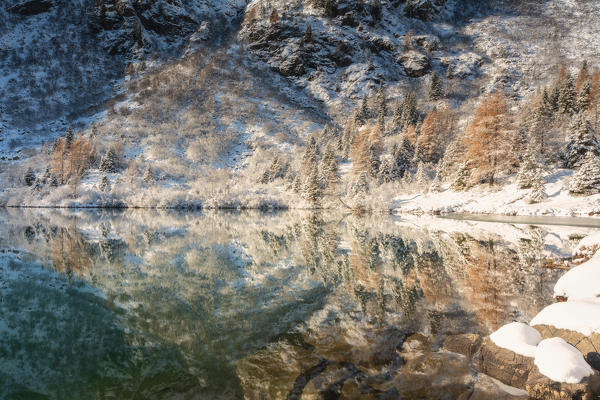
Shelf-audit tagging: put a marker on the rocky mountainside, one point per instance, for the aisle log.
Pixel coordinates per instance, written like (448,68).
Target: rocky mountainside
(199,92)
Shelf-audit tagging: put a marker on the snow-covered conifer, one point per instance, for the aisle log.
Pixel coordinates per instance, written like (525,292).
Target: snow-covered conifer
(363,114)
(109,161)
(586,179)
(69,137)
(29,177)
(312,189)
(538,190)
(421,177)
(567,99)
(583,97)
(580,141)
(436,90)
(148,175)
(105,184)
(461,181)
(527,170)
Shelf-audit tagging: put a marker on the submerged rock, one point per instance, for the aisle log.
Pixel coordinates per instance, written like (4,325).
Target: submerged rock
(31,7)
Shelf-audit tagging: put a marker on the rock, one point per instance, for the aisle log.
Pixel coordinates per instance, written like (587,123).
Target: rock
(507,366)
(424,10)
(589,346)
(488,388)
(278,371)
(31,7)
(415,64)
(543,388)
(291,62)
(467,344)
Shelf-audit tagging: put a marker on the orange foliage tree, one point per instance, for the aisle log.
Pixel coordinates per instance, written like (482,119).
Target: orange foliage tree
(435,133)
(70,162)
(489,137)
(367,144)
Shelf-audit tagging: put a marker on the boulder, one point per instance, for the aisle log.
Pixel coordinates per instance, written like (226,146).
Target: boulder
(589,346)
(467,344)
(541,387)
(31,7)
(415,64)
(507,366)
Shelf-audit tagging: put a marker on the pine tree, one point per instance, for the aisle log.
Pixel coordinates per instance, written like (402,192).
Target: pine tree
(436,90)
(580,141)
(330,167)
(568,96)
(312,189)
(69,137)
(461,182)
(409,114)
(311,155)
(527,170)
(450,71)
(105,184)
(109,161)
(402,158)
(264,177)
(363,114)
(586,180)
(583,97)
(29,177)
(308,35)
(297,185)
(374,161)
(436,184)
(583,76)
(276,169)
(360,186)
(148,175)
(538,190)
(421,177)
(386,171)
(54,180)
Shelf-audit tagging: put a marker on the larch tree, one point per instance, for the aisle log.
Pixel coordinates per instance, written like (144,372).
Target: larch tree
(366,149)
(435,133)
(489,138)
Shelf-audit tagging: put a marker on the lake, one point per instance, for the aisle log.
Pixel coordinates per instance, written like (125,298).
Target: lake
(145,304)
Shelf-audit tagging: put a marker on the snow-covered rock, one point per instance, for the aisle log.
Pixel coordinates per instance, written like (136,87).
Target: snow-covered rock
(581,282)
(561,362)
(579,316)
(587,247)
(517,337)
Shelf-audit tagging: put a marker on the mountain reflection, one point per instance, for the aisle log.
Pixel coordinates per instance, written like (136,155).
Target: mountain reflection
(148,304)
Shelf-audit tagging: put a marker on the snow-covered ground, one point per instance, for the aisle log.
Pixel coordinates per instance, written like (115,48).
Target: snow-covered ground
(504,200)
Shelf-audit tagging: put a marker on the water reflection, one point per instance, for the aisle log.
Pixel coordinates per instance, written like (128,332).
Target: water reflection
(162,305)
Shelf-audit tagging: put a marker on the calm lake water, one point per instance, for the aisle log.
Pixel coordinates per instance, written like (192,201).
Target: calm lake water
(166,305)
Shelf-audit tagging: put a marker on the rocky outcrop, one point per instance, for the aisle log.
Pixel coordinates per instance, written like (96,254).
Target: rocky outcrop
(507,366)
(467,344)
(424,10)
(415,64)
(31,7)
(541,387)
(589,346)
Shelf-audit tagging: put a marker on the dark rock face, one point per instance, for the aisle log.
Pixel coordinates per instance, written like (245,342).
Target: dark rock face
(424,10)
(415,64)
(31,7)
(589,346)
(508,367)
(543,388)
(467,344)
